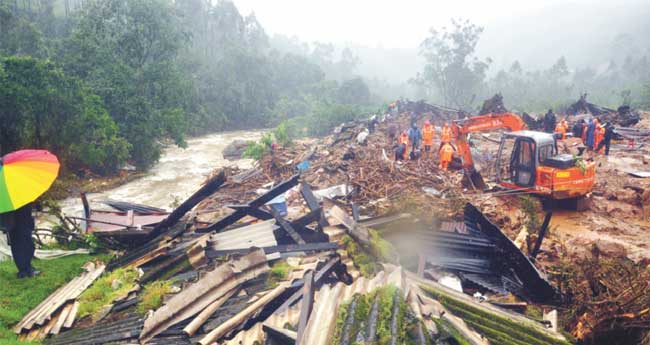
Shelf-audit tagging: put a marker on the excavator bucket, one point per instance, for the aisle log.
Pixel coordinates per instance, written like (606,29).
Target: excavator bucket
(474,180)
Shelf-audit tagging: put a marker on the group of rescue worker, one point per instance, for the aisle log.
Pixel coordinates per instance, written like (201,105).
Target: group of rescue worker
(413,141)
(595,136)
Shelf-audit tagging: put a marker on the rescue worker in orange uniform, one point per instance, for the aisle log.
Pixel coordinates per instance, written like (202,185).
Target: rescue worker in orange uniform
(599,135)
(403,141)
(560,130)
(446,154)
(428,132)
(445,137)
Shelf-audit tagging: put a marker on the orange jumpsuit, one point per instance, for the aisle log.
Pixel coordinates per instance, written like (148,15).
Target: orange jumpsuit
(445,137)
(428,132)
(404,139)
(560,129)
(446,154)
(599,135)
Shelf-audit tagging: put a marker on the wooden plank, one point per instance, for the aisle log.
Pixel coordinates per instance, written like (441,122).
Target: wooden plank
(252,211)
(312,216)
(242,316)
(239,214)
(203,316)
(307,305)
(61,318)
(283,248)
(49,326)
(130,219)
(357,231)
(71,293)
(69,321)
(322,273)
(287,227)
(208,189)
(32,313)
(313,203)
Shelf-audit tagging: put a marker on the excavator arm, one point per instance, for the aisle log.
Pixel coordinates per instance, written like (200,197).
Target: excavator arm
(482,123)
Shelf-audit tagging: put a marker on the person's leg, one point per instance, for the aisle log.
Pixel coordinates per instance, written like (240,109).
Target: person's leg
(607,143)
(22,248)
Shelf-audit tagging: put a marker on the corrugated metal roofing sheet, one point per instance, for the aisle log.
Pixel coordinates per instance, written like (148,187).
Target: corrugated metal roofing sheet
(256,235)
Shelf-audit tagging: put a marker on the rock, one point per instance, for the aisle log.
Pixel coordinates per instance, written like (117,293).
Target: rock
(235,149)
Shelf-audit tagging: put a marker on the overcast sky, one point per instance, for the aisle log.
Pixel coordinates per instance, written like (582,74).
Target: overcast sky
(534,32)
(392,24)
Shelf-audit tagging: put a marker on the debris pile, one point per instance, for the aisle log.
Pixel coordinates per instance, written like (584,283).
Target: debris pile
(314,246)
(623,116)
(493,105)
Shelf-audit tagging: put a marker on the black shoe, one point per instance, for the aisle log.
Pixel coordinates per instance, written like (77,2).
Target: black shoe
(28,274)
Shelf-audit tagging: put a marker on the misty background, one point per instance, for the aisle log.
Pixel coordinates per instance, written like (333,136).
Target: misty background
(104,82)
(592,36)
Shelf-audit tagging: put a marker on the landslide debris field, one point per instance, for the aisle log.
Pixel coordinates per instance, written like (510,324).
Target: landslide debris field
(373,251)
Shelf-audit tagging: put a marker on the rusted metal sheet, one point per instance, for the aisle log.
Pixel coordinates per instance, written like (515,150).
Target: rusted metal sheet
(208,289)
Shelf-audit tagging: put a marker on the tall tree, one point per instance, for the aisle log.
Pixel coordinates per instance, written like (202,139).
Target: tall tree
(452,71)
(127,51)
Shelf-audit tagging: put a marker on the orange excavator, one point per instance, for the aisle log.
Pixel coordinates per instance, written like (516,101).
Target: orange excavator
(527,161)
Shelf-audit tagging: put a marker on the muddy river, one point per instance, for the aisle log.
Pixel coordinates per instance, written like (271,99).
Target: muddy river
(178,174)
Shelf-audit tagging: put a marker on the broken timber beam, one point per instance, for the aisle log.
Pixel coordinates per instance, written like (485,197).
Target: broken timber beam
(540,236)
(307,305)
(284,248)
(322,273)
(356,231)
(208,189)
(253,212)
(286,226)
(313,203)
(239,213)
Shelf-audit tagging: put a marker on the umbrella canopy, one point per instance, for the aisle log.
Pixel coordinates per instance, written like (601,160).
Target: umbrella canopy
(24,176)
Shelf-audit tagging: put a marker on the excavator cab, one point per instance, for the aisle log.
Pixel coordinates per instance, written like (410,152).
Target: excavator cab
(529,160)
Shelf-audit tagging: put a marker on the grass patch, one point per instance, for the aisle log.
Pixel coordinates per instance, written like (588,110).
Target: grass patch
(366,264)
(19,296)
(497,329)
(152,297)
(381,248)
(279,272)
(103,293)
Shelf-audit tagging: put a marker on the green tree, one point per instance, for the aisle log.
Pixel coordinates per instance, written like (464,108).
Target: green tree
(18,36)
(354,91)
(452,71)
(127,51)
(41,107)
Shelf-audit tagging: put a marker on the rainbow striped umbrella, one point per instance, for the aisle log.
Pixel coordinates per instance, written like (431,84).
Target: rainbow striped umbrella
(24,176)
